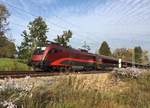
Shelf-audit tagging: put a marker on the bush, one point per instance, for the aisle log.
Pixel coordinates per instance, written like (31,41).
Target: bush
(122,73)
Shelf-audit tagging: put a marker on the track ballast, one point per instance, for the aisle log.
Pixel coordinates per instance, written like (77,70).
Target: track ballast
(22,74)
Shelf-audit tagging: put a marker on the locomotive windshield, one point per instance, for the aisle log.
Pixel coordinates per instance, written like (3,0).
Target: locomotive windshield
(39,50)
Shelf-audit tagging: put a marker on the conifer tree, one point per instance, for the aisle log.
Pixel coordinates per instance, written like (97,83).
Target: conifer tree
(138,54)
(104,49)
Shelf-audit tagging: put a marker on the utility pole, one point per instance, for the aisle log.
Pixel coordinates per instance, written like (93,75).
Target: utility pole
(85,46)
(133,53)
(133,58)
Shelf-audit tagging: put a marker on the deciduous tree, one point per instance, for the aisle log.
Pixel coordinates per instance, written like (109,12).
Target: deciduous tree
(123,53)
(33,37)
(4,14)
(145,58)
(7,47)
(64,38)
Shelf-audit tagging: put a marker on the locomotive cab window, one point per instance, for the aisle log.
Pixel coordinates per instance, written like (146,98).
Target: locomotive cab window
(39,50)
(54,50)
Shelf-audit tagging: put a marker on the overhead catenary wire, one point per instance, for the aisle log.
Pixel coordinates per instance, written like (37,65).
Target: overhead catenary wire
(23,26)
(55,24)
(91,44)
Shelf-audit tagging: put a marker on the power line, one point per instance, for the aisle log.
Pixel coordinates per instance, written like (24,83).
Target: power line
(87,46)
(33,15)
(11,5)
(60,18)
(20,25)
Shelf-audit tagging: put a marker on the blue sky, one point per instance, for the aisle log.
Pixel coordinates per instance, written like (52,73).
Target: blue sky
(122,23)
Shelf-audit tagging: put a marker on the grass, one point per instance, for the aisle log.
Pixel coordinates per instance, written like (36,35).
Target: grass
(84,91)
(7,64)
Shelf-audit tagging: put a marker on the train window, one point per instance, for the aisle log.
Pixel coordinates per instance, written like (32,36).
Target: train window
(39,50)
(52,51)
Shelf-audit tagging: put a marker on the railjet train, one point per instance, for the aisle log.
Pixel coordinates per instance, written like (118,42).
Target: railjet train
(56,57)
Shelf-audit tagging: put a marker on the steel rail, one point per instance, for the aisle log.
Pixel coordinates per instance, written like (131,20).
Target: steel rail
(22,74)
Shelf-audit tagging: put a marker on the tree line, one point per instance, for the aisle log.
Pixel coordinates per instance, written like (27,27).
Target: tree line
(136,54)
(36,35)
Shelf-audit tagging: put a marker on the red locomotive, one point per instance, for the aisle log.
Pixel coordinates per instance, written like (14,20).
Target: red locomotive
(56,57)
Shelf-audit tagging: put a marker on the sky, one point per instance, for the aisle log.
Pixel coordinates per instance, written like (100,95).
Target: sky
(122,23)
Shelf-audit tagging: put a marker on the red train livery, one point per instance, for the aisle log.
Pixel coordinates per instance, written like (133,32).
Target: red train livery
(56,57)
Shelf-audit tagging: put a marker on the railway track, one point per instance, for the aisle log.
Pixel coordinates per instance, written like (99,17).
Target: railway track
(22,74)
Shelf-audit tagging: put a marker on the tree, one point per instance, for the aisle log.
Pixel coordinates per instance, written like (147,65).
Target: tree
(64,38)
(38,29)
(123,53)
(104,49)
(33,37)
(145,58)
(4,14)
(25,48)
(138,54)
(7,47)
